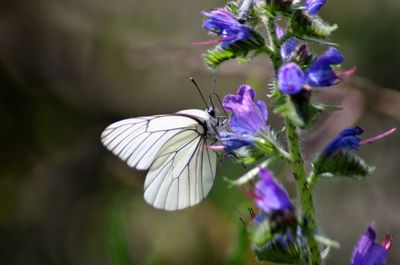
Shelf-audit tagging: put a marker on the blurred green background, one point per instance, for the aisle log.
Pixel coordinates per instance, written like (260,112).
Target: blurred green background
(68,68)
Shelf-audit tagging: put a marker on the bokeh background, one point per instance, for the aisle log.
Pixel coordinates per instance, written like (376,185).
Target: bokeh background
(68,68)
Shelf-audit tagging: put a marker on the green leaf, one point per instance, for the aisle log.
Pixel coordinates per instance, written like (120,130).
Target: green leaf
(303,24)
(274,251)
(344,164)
(214,57)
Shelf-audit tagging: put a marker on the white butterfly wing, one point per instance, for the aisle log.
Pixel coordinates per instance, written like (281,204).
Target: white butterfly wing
(181,177)
(182,168)
(138,140)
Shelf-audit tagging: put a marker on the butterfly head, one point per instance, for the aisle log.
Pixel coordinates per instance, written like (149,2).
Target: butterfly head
(212,112)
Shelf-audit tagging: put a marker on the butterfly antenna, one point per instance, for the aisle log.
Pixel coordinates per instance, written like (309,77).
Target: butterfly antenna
(198,89)
(212,92)
(216,95)
(220,102)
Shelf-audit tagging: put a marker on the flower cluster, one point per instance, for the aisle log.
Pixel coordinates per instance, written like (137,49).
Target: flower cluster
(277,213)
(292,79)
(281,232)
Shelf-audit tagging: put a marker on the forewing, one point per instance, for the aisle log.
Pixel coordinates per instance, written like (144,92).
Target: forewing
(138,140)
(182,173)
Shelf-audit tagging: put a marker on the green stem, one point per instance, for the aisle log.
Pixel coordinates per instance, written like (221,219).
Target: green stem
(273,47)
(295,155)
(303,189)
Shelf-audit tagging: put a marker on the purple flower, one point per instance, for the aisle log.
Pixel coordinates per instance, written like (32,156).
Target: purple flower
(313,6)
(289,46)
(226,25)
(248,118)
(349,139)
(320,73)
(291,78)
(233,141)
(367,252)
(269,195)
(346,140)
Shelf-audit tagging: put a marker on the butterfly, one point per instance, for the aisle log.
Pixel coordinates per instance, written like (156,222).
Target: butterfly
(173,148)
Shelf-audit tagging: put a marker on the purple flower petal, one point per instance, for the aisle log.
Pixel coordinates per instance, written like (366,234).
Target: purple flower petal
(280,32)
(320,73)
(270,196)
(367,252)
(233,141)
(248,116)
(290,79)
(289,46)
(346,140)
(225,24)
(332,56)
(313,6)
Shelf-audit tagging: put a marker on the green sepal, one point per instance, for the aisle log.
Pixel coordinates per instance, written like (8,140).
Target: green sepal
(323,240)
(302,56)
(304,24)
(289,111)
(260,233)
(272,7)
(318,41)
(241,48)
(277,98)
(266,144)
(274,238)
(277,253)
(307,110)
(214,57)
(328,243)
(267,247)
(343,164)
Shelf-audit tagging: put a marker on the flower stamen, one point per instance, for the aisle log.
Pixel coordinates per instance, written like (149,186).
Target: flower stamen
(378,137)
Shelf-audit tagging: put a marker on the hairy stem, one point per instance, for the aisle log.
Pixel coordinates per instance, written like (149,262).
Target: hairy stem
(295,154)
(303,190)
(274,47)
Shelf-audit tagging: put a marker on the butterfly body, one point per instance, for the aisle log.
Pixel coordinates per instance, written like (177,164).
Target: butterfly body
(174,150)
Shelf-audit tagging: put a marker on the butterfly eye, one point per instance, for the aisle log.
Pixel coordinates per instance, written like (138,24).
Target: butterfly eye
(211,112)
